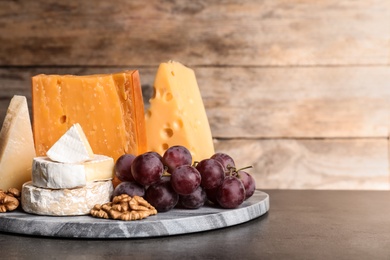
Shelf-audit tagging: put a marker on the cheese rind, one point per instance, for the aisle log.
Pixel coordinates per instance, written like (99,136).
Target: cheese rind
(107,106)
(54,175)
(16,145)
(177,115)
(65,202)
(72,147)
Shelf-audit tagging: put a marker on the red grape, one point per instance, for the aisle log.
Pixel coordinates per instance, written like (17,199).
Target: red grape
(212,173)
(129,188)
(185,179)
(147,169)
(176,156)
(212,195)
(123,167)
(161,195)
(226,161)
(249,183)
(194,200)
(231,193)
(156,154)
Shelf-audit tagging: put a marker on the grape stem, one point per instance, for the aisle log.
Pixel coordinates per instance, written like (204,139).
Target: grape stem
(247,167)
(166,173)
(233,171)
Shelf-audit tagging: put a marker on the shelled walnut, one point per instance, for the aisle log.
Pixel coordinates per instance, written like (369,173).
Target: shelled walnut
(124,207)
(9,200)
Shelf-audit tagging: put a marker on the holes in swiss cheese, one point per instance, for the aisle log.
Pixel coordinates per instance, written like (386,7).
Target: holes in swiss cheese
(168,96)
(164,146)
(166,133)
(148,114)
(154,92)
(177,124)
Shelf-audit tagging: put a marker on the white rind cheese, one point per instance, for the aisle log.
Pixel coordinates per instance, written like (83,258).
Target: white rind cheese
(16,145)
(65,202)
(72,147)
(55,175)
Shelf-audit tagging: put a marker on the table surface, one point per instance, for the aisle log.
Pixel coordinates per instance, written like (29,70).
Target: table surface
(301,224)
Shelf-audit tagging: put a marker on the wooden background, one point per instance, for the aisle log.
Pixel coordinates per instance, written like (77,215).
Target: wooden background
(300,89)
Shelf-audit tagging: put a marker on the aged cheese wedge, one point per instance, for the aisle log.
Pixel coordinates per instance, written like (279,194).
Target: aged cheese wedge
(54,175)
(65,202)
(109,108)
(176,115)
(16,145)
(72,147)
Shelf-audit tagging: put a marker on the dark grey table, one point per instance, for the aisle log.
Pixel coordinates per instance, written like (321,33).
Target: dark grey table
(299,225)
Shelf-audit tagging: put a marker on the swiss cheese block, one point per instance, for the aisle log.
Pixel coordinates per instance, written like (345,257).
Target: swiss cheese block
(177,115)
(65,202)
(55,175)
(72,147)
(109,108)
(16,145)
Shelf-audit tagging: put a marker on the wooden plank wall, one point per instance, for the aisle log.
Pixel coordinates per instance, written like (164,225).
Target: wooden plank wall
(299,89)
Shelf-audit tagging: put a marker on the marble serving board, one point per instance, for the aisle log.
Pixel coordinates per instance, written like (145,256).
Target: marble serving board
(173,222)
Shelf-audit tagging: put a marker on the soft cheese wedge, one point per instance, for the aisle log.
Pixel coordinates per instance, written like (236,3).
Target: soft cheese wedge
(65,202)
(109,108)
(177,115)
(72,147)
(55,175)
(16,145)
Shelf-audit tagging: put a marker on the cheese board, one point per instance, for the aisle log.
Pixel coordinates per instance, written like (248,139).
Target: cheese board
(174,222)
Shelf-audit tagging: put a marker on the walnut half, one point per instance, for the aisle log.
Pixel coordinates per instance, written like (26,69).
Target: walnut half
(9,200)
(124,207)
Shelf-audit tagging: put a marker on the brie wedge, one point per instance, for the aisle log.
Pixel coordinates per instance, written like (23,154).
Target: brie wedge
(72,147)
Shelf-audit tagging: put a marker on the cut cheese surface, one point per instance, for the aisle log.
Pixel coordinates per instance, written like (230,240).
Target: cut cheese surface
(16,145)
(72,147)
(65,202)
(177,115)
(109,108)
(49,174)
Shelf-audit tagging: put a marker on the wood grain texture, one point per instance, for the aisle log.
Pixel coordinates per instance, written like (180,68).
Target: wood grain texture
(220,32)
(310,102)
(297,102)
(313,164)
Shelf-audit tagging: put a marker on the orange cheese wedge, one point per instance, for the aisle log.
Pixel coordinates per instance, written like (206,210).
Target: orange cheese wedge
(109,108)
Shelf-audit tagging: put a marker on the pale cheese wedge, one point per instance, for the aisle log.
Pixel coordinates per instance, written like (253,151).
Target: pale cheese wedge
(177,115)
(72,147)
(16,145)
(55,175)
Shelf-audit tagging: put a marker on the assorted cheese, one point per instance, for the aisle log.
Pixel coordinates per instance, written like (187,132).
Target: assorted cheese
(72,147)
(65,202)
(55,175)
(16,145)
(176,115)
(77,116)
(109,108)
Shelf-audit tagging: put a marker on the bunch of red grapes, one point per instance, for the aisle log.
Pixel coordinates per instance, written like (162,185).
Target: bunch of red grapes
(171,180)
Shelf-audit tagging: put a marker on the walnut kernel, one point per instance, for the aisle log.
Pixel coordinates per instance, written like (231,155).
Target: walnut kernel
(9,200)
(124,207)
